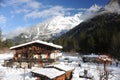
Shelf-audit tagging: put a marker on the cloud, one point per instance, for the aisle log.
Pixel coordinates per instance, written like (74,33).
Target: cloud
(3,20)
(15,32)
(32,9)
(25,3)
(50,12)
(60,11)
(91,12)
(82,9)
(20,11)
(23,6)
(34,4)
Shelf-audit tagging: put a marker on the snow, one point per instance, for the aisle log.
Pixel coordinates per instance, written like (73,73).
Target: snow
(94,69)
(64,67)
(53,27)
(93,55)
(59,23)
(113,6)
(6,56)
(37,41)
(49,72)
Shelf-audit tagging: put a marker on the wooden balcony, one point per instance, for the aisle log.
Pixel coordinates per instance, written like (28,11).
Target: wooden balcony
(45,60)
(12,62)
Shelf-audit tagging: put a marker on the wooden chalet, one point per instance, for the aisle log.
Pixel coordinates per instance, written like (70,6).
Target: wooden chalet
(33,53)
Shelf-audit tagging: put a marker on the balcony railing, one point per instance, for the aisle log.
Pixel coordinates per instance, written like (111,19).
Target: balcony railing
(44,60)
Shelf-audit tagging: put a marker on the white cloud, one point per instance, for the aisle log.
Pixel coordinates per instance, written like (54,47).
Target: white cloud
(21,11)
(52,11)
(32,9)
(27,3)
(91,12)
(15,32)
(3,20)
(23,6)
(34,4)
(82,9)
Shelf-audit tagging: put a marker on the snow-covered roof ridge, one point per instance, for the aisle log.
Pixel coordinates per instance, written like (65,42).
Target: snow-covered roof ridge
(49,72)
(40,42)
(64,67)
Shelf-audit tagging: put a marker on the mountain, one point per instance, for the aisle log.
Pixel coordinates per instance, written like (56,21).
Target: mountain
(60,25)
(53,28)
(113,6)
(100,34)
(50,29)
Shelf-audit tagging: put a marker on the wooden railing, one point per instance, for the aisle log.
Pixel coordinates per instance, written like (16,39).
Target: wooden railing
(32,60)
(11,62)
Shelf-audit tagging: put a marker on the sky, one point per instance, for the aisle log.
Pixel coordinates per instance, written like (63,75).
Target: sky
(17,14)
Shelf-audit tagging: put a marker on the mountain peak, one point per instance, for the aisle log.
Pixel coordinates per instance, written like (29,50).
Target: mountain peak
(94,8)
(111,1)
(113,6)
(114,2)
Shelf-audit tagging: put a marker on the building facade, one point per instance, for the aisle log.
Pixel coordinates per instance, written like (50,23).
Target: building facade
(34,53)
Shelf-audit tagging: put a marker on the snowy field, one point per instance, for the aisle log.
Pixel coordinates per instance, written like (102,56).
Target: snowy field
(94,70)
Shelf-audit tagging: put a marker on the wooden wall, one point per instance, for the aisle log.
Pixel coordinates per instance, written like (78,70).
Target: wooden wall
(62,77)
(34,54)
(68,74)
(30,50)
(43,77)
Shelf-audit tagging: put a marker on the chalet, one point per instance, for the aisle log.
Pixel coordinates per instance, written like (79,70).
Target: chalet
(34,53)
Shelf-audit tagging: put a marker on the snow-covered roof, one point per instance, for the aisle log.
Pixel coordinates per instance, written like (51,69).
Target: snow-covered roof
(105,58)
(49,72)
(64,67)
(94,55)
(39,42)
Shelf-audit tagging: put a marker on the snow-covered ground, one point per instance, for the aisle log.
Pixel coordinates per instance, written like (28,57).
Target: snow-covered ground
(94,70)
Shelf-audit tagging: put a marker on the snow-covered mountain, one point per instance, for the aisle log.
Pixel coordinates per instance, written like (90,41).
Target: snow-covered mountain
(60,24)
(50,29)
(56,26)
(113,6)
